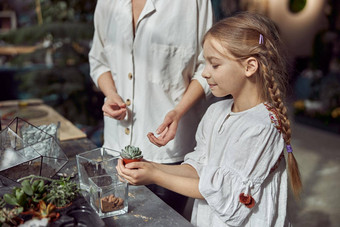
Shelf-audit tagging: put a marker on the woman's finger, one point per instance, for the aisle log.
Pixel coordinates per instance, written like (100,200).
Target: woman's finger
(153,139)
(163,133)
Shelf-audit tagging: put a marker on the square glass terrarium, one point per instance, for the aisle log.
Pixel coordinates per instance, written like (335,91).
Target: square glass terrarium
(108,195)
(27,150)
(96,162)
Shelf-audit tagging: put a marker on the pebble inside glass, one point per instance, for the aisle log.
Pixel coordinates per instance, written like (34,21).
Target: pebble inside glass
(108,195)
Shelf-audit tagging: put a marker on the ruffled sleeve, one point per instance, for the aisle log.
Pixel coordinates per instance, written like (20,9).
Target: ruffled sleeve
(198,158)
(243,170)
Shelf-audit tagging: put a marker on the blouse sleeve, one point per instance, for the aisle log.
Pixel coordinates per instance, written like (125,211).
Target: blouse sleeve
(253,155)
(198,158)
(97,57)
(205,21)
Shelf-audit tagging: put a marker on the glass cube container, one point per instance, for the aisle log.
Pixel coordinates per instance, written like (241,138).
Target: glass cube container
(108,195)
(27,150)
(96,162)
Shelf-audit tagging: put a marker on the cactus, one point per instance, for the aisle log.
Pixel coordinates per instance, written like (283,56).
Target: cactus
(131,152)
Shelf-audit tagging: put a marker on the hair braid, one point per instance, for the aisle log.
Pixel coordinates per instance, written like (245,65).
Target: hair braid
(275,97)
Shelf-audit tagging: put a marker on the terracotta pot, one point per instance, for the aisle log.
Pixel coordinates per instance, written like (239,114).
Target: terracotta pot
(126,160)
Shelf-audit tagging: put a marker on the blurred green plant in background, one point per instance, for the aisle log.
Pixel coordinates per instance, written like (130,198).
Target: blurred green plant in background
(58,71)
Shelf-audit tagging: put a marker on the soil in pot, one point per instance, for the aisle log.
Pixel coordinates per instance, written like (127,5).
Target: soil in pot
(27,169)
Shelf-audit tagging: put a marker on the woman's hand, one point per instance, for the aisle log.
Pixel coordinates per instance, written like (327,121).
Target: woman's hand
(114,107)
(167,130)
(138,173)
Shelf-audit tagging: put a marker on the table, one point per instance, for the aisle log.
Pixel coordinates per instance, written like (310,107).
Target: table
(37,113)
(14,50)
(145,208)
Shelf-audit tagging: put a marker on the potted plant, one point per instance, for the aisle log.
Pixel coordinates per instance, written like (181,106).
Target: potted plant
(59,192)
(131,154)
(37,199)
(26,196)
(62,192)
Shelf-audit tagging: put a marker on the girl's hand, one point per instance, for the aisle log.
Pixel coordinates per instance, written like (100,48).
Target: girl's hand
(114,107)
(137,173)
(167,130)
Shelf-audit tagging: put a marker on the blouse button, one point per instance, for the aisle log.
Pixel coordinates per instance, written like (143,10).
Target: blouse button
(128,102)
(127,131)
(130,76)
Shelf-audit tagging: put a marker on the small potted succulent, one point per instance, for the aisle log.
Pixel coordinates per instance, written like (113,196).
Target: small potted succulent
(131,154)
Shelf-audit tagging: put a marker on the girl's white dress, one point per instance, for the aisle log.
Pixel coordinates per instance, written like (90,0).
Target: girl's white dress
(235,153)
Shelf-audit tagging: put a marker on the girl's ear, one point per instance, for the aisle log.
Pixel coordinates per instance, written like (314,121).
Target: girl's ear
(251,66)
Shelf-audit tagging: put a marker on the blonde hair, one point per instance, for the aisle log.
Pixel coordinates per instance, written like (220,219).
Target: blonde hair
(240,36)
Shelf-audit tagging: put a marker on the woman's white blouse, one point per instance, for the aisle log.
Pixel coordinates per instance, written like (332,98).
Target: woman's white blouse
(234,154)
(152,69)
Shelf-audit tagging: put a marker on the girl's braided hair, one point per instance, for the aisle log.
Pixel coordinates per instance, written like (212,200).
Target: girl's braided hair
(247,35)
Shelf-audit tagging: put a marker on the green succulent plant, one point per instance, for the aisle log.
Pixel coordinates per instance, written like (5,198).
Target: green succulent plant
(131,152)
(59,192)
(9,217)
(30,191)
(62,192)
(2,202)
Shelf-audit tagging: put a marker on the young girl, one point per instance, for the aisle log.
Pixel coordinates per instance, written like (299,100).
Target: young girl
(237,172)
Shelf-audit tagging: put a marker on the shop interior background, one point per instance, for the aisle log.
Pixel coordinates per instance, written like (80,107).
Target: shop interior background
(44,47)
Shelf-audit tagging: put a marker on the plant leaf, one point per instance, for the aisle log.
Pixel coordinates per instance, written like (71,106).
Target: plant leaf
(41,186)
(26,186)
(35,185)
(20,197)
(10,199)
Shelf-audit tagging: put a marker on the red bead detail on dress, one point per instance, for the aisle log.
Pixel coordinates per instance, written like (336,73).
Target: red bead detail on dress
(247,200)
(274,116)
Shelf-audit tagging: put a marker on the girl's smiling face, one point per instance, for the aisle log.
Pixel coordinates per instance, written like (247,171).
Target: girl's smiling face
(224,75)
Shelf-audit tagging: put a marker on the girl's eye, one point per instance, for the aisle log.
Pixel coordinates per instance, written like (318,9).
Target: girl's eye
(215,66)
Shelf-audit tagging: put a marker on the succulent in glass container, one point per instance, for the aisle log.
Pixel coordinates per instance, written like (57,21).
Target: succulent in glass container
(131,154)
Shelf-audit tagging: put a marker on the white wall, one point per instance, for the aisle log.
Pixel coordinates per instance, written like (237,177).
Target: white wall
(299,29)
